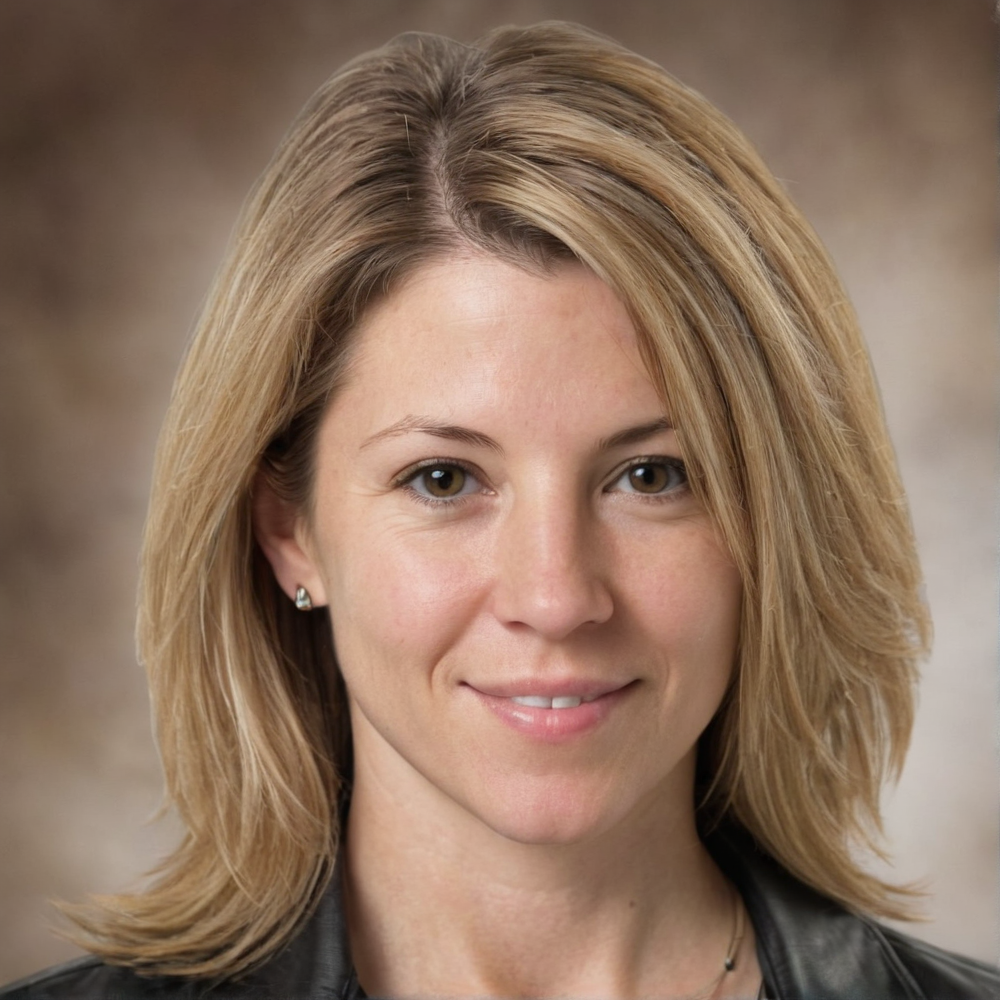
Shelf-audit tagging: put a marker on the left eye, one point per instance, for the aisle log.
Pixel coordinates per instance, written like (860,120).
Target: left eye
(652,477)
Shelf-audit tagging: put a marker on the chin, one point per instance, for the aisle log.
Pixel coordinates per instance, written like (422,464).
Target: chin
(549,812)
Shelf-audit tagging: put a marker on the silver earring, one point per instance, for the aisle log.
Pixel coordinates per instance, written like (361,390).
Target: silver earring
(302,599)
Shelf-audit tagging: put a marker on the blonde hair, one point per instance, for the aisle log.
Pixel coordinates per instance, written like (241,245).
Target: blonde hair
(538,144)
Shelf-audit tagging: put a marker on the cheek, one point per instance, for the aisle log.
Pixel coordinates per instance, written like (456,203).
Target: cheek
(689,597)
(400,597)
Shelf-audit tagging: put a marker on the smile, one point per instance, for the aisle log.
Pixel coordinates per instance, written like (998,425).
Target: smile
(553,715)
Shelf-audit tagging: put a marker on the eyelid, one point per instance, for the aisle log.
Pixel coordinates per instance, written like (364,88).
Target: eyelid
(411,471)
(405,479)
(673,461)
(630,463)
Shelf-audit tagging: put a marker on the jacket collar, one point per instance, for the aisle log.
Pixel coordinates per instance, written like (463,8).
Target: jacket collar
(317,961)
(808,946)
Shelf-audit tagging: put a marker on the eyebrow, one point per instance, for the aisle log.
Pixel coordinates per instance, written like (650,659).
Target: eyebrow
(633,435)
(436,428)
(454,432)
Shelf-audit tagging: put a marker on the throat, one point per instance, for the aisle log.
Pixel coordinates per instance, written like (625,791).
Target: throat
(624,919)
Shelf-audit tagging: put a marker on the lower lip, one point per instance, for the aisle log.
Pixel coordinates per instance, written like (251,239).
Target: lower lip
(553,725)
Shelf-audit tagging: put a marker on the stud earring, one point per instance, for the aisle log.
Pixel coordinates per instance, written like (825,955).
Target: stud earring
(302,599)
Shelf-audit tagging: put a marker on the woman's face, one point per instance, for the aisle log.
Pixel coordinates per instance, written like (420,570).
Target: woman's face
(534,617)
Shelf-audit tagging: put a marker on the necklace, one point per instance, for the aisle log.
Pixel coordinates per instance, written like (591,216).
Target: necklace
(711,990)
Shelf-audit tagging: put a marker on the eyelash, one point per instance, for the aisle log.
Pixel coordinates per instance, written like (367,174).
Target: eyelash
(672,493)
(405,480)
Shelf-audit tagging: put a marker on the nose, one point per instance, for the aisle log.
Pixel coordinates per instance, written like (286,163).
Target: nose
(549,573)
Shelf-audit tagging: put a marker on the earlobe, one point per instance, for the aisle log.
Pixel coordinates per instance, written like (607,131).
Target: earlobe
(278,530)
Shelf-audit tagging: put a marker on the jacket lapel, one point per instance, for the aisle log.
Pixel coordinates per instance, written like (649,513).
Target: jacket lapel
(809,947)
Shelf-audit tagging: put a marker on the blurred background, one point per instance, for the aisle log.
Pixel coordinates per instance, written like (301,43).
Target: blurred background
(131,132)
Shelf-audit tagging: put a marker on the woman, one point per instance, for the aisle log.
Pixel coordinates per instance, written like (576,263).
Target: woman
(529,598)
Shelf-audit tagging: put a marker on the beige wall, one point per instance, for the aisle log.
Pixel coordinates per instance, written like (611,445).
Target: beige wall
(130,133)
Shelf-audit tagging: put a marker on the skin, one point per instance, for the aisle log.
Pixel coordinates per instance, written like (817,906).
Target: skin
(500,507)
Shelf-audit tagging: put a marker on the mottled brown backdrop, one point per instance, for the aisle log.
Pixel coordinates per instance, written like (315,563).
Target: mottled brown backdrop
(130,133)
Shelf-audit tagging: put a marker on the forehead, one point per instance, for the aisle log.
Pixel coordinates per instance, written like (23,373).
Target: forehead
(477,316)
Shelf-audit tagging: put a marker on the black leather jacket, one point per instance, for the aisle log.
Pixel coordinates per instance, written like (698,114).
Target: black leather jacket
(809,948)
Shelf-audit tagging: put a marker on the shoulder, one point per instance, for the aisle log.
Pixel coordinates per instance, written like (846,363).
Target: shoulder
(315,963)
(941,973)
(810,946)
(91,978)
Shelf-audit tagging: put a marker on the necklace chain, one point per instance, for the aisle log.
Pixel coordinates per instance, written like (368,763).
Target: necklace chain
(711,990)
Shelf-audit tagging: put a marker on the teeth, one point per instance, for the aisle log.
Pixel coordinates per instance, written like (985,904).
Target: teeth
(569,701)
(533,701)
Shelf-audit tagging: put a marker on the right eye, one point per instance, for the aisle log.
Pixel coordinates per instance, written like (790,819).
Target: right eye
(441,481)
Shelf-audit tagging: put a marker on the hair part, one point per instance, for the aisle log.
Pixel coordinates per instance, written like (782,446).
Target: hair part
(538,145)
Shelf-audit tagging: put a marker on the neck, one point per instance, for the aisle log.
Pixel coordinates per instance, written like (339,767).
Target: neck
(638,908)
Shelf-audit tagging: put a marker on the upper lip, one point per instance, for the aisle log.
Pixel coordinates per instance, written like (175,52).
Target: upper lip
(573,687)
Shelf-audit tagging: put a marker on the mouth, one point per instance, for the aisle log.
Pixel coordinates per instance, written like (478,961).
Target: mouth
(552,711)
(557,692)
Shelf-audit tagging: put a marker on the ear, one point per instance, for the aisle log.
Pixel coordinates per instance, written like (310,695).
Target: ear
(280,532)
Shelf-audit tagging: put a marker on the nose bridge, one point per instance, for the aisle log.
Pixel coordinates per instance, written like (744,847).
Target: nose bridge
(550,574)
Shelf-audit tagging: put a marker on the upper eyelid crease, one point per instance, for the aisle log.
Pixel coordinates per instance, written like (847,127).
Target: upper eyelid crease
(671,460)
(467,467)
(412,471)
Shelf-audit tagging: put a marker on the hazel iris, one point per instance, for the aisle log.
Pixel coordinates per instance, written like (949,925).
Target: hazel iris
(444,480)
(651,478)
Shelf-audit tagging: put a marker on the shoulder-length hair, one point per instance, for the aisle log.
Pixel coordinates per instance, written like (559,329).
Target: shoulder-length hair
(537,145)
